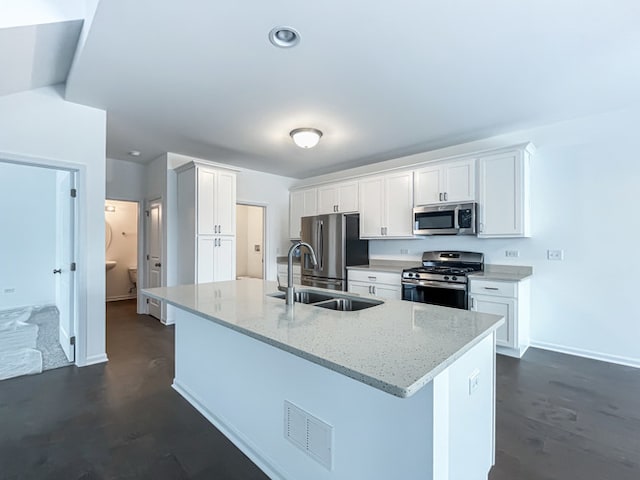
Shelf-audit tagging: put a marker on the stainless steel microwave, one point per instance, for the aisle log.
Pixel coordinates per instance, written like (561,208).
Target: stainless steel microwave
(445,219)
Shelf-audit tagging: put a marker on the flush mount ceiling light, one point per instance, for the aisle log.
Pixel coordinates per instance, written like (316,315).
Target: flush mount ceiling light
(306,137)
(284,37)
(110,208)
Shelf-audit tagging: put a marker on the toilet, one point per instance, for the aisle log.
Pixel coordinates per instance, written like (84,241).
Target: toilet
(133,275)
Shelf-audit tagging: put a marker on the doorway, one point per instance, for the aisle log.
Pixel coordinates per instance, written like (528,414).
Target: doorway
(154,254)
(250,238)
(37,280)
(121,249)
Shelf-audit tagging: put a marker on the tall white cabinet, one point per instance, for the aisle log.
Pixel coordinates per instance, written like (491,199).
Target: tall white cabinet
(206,223)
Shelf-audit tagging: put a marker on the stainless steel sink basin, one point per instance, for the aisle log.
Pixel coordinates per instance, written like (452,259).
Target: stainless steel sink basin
(348,304)
(306,296)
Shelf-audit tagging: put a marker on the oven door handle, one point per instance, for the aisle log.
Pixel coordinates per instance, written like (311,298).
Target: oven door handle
(431,283)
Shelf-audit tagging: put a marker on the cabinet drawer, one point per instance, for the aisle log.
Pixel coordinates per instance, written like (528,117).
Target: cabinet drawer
(493,287)
(373,276)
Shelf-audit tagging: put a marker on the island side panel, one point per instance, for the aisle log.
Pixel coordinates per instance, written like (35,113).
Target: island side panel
(240,384)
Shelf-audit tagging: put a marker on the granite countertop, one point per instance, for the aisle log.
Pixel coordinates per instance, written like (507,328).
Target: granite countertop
(508,273)
(397,347)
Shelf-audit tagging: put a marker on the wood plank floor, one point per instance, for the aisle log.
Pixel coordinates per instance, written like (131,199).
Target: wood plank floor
(558,418)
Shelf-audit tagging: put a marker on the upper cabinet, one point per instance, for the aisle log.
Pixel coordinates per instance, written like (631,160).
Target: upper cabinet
(445,182)
(216,204)
(338,198)
(386,206)
(302,203)
(503,200)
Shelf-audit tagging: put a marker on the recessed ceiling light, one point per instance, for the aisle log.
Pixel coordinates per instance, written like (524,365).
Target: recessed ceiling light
(134,153)
(306,137)
(284,37)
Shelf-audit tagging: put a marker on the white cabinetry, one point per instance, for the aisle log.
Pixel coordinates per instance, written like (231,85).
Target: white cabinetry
(511,300)
(206,224)
(503,188)
(282,274)
(371,282)
(338,198)
(445,182)
(386,206)
(302,203)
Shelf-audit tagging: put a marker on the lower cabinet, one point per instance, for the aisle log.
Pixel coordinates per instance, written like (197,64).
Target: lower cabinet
(380,284)
(215,259)
(282,274)
(510,300)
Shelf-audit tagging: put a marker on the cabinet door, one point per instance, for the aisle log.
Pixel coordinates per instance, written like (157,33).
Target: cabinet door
(399,205)
(428,185)
(296,207)
(206,202)
(390,292)
(501,195)
(347,194)
(327,199)
(310,202)
(360,288)
(226,203)
(371,207)
(205,259)
(505,335)
(225,259)
(460,181)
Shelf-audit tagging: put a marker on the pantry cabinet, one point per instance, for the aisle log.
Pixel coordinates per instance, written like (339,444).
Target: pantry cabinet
(302,203)
(338,198)
(509,299)
(206,224)
(503,200)
(446,182)
(386,206)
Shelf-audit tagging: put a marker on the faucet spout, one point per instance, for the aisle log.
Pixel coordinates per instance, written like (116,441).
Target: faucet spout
(290,292)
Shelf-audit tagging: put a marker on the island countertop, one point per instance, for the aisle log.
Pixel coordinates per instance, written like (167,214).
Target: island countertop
(397,347)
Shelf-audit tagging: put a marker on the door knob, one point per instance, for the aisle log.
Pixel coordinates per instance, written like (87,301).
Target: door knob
(57,270)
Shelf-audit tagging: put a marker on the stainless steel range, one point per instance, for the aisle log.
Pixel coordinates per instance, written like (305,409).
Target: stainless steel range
(442,279)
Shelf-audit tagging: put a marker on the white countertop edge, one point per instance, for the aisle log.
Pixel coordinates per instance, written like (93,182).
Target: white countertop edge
(353,374)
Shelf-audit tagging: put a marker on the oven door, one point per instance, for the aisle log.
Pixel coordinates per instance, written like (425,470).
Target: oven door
(436,293)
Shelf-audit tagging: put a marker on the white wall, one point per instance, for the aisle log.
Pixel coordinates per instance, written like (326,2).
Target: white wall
(28,240)
(123,248)
(584,179)
(125,180)
(41,127)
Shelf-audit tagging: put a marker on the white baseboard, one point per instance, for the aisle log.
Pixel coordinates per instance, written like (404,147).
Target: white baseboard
(95,359)
(117,298)
(239,440)
(578,352)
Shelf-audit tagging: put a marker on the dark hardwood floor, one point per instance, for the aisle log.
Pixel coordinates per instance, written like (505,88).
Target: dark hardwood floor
(558,418)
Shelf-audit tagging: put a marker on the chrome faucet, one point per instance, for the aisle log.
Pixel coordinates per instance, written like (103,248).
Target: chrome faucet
(290,290)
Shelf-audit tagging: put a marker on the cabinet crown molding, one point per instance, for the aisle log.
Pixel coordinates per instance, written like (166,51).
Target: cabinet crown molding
(205,164)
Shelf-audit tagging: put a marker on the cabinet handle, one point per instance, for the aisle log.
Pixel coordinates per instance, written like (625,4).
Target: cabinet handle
(491,288)
(373,279)
(381,230)
(369,289)
(473,303)
(440,196)
(374,289)
(446,197)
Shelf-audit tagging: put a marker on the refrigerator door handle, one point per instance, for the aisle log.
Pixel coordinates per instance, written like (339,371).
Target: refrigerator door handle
(321,245)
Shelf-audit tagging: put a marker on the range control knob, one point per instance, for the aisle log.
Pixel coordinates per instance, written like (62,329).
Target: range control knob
(454,278)
(409,274)
(446,278)
(417,275)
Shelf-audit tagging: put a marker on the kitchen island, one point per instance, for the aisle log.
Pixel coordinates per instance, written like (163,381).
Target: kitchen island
(399,390)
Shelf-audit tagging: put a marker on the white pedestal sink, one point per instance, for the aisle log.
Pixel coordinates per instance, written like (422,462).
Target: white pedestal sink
(110,264)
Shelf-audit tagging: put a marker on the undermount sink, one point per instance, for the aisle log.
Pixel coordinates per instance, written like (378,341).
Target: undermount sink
(341,303)
(348,304)
(110,264)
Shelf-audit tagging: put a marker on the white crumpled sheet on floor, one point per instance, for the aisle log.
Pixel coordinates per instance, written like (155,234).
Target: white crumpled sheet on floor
(25,361)
(15,332)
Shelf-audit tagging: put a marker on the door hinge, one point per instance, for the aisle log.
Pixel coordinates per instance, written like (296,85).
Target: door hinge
(73,267)
(147,257)
(147,212)
(72,340)
(74,193)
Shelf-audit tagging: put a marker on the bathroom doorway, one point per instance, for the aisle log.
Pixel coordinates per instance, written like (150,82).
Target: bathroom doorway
(38,306)
(121,250)
(250,238)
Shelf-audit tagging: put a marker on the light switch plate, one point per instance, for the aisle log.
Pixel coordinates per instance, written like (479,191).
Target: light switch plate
(512,253)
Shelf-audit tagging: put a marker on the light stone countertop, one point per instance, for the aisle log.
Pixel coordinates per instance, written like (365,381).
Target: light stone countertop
(397,347)
(508,273)
(386,266)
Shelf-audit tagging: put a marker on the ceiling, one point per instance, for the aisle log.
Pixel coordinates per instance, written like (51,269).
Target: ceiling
(380,79)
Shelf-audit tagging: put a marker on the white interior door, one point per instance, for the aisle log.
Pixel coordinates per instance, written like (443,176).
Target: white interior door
(154,255)
(65,257)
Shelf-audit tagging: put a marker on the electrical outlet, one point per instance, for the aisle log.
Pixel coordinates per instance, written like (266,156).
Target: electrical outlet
(555,255)
(9,290)
(474,381)
(511,253)
(404,251)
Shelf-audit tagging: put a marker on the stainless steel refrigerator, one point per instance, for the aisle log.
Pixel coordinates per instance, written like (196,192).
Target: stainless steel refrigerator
(336,240)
